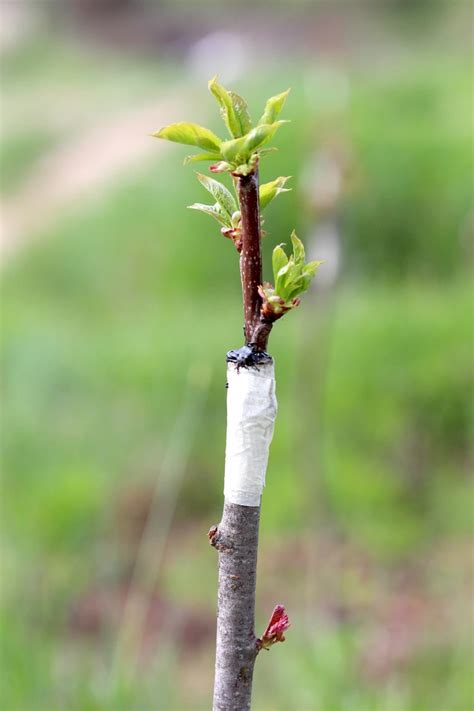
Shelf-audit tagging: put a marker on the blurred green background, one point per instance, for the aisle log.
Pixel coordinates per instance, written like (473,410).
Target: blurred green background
(119,305)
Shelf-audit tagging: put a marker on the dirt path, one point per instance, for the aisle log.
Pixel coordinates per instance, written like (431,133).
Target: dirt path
(82,168)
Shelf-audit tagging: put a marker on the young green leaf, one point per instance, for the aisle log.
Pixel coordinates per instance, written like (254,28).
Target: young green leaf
(279,260)
(308,273)
(223,196)
(269,191)
(241,111)
(201,156)
(294,287)
(260,135)
(228,113)
(273,108)
(236,218)
(214,211)
(298,249)
(244,168)
(232,151)
(264,151)
(284,278)
(239,150)
(190,134)
(292,277)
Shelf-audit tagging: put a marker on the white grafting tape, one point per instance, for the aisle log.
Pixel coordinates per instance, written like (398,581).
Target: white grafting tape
(251,412)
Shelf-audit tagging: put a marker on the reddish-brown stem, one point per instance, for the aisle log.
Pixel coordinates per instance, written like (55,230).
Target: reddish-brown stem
(256,328)
(261,333)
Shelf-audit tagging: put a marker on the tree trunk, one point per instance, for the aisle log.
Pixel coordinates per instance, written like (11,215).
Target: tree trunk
(237,542)
(236,537)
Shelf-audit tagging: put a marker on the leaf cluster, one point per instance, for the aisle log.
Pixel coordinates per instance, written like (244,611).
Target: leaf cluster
(292,277)
(226,209)
(240,154)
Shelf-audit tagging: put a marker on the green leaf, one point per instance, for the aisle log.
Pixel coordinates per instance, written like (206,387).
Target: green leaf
(284,277)
(214,211)
(279,260)
(273,108)
(223,196)
(269,191)
(232,151)
(295,288)
(190,134)
(298,249)
(236,218)
(201,156)
(225,102)
(243,169)
(292,277)
(311,268)
(309,272)
(241,112)
(260,135)
(239,150)
(264,151)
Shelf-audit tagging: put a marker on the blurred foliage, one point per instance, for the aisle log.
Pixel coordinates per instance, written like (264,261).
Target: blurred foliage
(18,156)
(121,309)
(411,209)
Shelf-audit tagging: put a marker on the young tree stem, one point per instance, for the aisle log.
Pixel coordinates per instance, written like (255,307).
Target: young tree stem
(256,328)
(236,537)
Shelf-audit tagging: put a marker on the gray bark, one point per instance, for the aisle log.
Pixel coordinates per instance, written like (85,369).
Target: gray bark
(236,539)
